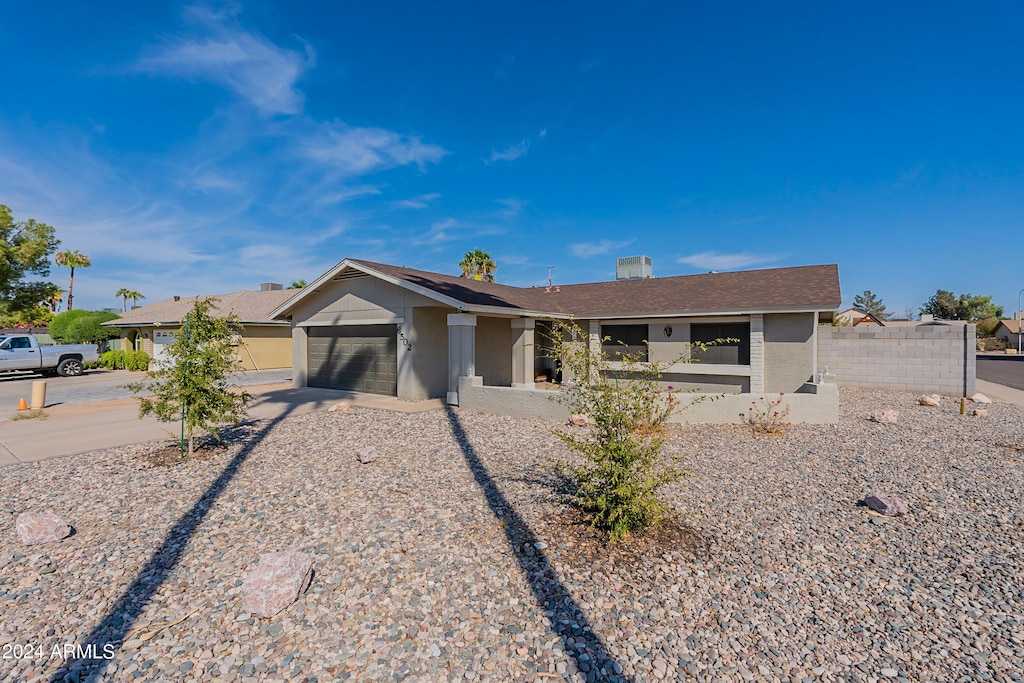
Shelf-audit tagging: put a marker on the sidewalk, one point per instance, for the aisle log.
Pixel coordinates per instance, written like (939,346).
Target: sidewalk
(83,427)
(998,392)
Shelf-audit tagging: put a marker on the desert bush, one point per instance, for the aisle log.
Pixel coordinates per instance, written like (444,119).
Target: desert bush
(627,408)
(768,417)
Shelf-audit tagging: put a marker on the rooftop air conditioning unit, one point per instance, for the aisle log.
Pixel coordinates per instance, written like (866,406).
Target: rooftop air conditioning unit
(633,268)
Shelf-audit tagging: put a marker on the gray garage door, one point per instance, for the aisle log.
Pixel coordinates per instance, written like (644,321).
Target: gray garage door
(355,358)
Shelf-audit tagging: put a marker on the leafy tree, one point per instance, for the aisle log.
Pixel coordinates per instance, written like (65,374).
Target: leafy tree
(82,327)
(627,409)
(191,385)
(129,294)
(72,259)
(948,306)
(478,265)
(25,249)
(297,284)
(870,303)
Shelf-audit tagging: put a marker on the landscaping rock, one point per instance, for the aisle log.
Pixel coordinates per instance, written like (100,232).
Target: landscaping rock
(41,527)
(886,417)
(930,400)
(886,505)
(981,398)
(979,412)
(578,420)
(339,407)
(276,582)
(367,454)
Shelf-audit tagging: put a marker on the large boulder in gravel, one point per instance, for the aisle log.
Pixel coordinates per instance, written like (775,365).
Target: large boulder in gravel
(886,505)
(41,527)
(276,582)
(930,400)
(886,417)
(366,454)
(981,398)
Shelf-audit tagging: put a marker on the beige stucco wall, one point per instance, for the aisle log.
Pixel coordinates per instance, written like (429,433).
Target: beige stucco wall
(365,299)
(423,355)
(494,350)
(814,404)
(788,351)
(264,347)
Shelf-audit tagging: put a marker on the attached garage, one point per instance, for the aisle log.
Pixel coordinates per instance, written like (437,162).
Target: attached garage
(354,358)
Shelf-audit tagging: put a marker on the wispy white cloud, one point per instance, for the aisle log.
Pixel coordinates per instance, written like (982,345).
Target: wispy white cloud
(359,151)
(711,260)
(512,206)
(510,153)
(420,201)
(345,194)
(439,232)
(222,52)
(589,249)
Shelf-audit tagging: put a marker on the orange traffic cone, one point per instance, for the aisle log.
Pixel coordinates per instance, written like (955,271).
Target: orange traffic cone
(22,405)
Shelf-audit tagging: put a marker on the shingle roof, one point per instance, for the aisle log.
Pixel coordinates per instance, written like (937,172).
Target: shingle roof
(251,308)
(797,288)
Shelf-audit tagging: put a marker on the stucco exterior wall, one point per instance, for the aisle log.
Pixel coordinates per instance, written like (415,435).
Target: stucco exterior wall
(788,351)
(932,358)
(423,354)
(365,300)
(814,404)
(494,350)
(264,348)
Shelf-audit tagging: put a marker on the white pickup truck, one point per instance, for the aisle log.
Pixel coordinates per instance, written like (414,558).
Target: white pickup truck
(23,352)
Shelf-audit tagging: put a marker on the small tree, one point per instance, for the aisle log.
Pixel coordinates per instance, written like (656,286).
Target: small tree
(869,302)
(191,385)
(628,408)
(478,265)
(948,306)
(72,259)
(82,326)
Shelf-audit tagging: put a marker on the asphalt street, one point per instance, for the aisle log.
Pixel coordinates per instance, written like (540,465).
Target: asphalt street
(1005,370)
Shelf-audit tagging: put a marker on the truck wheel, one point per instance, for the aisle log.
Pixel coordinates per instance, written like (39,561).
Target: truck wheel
(70,367)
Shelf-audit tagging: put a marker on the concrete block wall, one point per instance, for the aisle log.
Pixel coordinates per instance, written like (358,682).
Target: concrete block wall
(928,358)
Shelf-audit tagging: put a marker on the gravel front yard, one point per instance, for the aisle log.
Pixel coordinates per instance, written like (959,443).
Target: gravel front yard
(447,558)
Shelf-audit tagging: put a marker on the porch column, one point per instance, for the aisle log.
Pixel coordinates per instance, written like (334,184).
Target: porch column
(523,350)
(757,354)
(461,351)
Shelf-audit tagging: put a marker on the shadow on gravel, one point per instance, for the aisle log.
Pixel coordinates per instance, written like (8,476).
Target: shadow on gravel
(119,621)
(568,621)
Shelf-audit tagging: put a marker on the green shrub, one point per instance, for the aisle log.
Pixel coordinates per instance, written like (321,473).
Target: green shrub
(112,360)
(136,360)
(627,409)
(82,327)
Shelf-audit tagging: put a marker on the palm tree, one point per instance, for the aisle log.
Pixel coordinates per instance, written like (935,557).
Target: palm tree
(72,259)
(298,284)
(478,265)
(129,294)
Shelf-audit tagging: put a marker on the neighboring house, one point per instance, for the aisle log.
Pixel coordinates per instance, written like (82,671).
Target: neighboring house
(264,342)
(414,334)
(1008,330)
(856,316)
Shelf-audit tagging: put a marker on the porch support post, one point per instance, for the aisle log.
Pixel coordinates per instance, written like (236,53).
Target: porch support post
(523,350)
(461,351)
(757,354)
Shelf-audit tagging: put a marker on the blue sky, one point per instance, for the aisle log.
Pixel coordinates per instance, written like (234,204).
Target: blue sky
(205,148)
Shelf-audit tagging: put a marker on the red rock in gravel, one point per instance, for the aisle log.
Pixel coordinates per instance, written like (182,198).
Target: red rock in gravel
(41,527)
(886,505)
(578,420)
(276,582)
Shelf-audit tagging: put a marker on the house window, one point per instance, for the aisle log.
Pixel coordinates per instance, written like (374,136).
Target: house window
(726,353)
(618,340)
